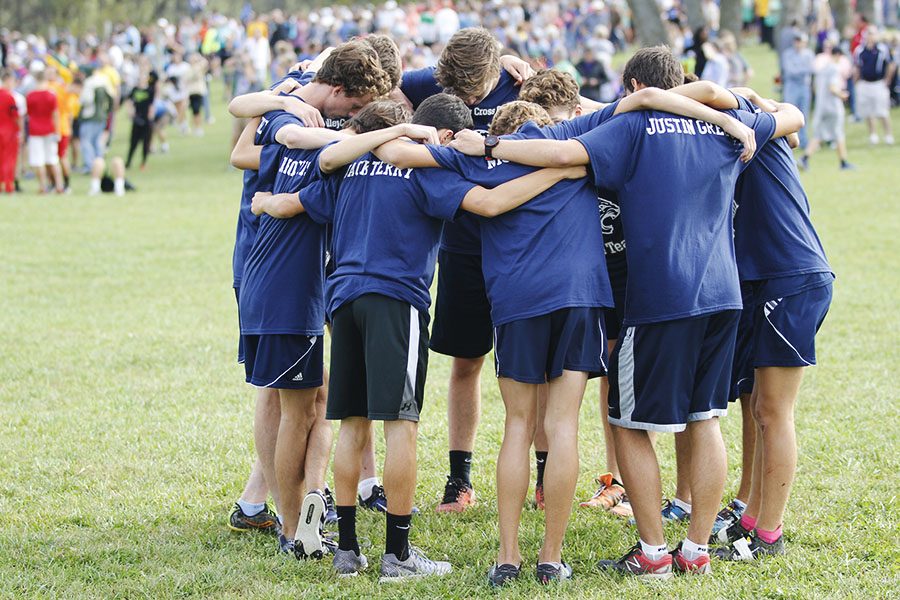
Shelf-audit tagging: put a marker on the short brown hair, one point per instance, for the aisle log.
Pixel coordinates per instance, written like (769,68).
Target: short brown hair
(654,66)
(691,77)
(389,55)
(380,114)
(551,89)
(513,115)
(355,67)
(469,60)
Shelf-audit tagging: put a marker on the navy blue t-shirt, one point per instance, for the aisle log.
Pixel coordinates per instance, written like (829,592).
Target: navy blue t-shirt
(675,178)
(283,287)
(462,236)
(543,256)
(607,199)
(248,223)
(387,225)
(773,234)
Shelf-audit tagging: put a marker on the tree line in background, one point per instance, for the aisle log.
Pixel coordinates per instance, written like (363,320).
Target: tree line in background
(93,15)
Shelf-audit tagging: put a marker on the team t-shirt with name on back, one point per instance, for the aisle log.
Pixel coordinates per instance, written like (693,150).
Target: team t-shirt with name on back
(773,234)
(248,223)
(461,236)
(283,285)
(675,178)
(387,226)
(545,255)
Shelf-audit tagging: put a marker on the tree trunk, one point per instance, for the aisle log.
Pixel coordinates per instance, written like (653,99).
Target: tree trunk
(731,17)
(842,14)
(647,23)
(867,8)
(694,11)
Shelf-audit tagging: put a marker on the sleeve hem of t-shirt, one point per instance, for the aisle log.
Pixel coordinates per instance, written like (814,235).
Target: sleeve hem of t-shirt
(590,166)
(459,209)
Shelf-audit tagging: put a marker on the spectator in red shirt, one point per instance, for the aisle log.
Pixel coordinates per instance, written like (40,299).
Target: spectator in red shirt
(10,130)
(43,150)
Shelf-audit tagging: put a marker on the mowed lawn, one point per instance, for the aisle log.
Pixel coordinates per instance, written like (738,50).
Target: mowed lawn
(125,425)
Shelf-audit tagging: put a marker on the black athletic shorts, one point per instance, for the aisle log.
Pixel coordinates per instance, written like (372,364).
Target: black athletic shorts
(196,101)
(379,360)
(462,312)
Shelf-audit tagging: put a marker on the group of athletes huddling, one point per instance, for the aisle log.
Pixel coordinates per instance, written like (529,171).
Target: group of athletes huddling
(359,178)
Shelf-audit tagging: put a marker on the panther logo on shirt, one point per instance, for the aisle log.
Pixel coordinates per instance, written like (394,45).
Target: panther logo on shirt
(609,212)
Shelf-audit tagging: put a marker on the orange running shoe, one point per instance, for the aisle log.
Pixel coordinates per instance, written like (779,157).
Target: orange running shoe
(539,496)
(609,493)
(458,496)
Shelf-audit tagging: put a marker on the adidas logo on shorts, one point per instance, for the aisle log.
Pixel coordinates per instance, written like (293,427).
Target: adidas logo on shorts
(298,377)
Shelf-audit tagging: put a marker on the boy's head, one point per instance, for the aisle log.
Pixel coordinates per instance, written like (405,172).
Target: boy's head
(389,55)
(469,65)
(513,115)
(556,91)
(448,114)
(379,114)
(7,79)
(354,72)
(654,66)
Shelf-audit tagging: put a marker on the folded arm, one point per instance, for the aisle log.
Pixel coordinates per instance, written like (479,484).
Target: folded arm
(537,153)
(280,206)
(256,104)
(514,193)
(405,156)
(307,138)
(246,154)
(336,156)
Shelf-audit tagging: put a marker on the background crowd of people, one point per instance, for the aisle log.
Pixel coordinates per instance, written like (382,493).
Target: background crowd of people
(61,93)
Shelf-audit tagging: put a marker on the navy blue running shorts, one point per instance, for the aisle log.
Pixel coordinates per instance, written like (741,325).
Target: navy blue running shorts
(664,375)
(540,348)
(284,361)
(462,312)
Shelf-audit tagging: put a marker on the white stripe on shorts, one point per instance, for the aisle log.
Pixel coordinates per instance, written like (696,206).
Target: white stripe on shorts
(767,310)
(312,344)
(626,377)
(412,354)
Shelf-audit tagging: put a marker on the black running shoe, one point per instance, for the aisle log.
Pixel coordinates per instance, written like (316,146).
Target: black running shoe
(550,572)
(330,511)
(730,534)
(458,496)
(500,574)
(376,500)
(750,548)
(264,521)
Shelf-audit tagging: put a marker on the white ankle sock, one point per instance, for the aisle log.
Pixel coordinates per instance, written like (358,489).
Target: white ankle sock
(685,506)
(692,551)
(251,508)
(119,187)
(364,489)
(653,552)
(95,186)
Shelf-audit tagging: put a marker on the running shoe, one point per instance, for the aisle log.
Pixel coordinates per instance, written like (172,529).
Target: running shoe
(636,563)
(750,548)
(609,493)
(285,546)
(549,572)
(376,500)
(330,511)
(539,496)
(308,541)
(673,513)
(415,566)
(730,534)
(681,565)
(264,521)
(348,563)
(499,575)
(727,517)
(458,496)
(623,509)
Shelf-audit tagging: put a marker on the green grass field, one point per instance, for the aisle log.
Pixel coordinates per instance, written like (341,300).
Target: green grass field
(125,425)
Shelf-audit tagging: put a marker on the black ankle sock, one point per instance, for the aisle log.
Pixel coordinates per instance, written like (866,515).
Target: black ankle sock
(347,528)
(461,465)
(540,459)
(396,541)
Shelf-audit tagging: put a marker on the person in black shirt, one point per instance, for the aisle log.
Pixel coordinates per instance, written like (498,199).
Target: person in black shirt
(142,97)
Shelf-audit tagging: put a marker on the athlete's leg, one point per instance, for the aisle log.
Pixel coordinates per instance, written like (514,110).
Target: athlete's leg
(707,477)
(400,465)
(318,448)
(639,466)
(353,437)
(133,143)
(748,448)
(266,420)
(464,402)
(755,500)
(513,463)
(774,411)
(564,395)
(255,490)
(298,412)
(683,467)
(612,465)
